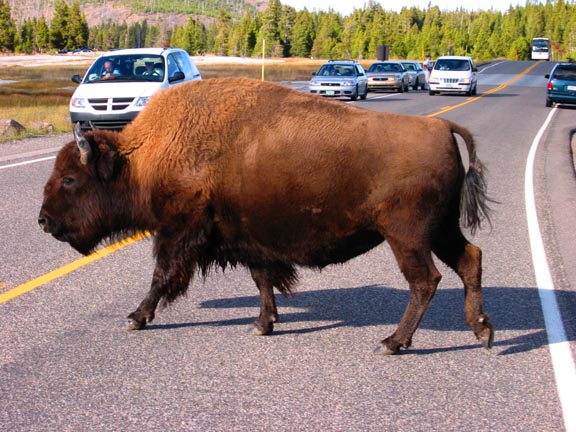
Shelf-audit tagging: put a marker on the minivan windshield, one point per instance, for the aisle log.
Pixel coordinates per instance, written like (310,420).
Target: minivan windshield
(126,68)
(452,65)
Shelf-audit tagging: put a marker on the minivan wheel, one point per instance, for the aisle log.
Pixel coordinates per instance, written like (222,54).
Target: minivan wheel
(548,103)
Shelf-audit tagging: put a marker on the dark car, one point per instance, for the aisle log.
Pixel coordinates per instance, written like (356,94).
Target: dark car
(561,84)
(415,73)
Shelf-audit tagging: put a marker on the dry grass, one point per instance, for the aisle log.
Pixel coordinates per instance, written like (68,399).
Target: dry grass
(41,94)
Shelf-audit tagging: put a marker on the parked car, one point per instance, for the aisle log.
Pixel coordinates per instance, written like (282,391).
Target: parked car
(388,75)
(415,73)
(453,74)
(338,78)
(110,99)
(561,87)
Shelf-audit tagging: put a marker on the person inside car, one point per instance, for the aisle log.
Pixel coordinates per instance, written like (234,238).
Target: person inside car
(150,71)
(109,72)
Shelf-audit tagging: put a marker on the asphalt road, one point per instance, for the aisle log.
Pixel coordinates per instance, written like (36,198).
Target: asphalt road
(68,364)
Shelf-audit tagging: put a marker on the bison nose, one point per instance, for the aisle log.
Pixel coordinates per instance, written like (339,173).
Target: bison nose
(43,222)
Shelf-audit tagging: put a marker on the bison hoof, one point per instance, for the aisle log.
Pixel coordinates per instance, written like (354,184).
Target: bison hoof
(134,324)
(384,350)
(258,330)
(486,338)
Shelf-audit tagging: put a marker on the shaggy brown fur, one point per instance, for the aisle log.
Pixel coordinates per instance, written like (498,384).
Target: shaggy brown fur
(236,171)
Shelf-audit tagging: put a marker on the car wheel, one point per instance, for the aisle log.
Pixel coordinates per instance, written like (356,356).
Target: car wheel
(355,95)
(432,93)
(548,103)
(407,88)
(416,84)
(363,96)
(401,88)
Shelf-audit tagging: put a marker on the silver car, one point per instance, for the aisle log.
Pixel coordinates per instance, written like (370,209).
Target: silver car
(340,78)
(416,73)
(387,75)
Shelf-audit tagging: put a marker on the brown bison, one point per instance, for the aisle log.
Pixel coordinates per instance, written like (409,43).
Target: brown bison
(230,172)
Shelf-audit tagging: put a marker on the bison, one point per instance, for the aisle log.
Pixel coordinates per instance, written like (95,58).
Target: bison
(228,172)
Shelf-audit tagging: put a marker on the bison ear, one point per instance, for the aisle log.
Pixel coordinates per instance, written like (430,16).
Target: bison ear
(107,163)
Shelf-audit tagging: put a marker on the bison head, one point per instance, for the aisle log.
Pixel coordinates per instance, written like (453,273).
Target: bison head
(80,195)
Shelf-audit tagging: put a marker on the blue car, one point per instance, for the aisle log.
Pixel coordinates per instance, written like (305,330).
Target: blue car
(561,84)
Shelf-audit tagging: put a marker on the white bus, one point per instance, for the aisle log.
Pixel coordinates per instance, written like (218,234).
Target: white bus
(541,49)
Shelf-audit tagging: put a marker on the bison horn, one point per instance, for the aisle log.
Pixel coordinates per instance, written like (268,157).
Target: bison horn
(83,145)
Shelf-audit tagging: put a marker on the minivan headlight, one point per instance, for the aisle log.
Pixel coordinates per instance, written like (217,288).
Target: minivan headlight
(465,80)
(79,102)
(142,101)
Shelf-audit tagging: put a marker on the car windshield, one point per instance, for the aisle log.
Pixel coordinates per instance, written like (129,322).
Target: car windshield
(337,70)
(452,65)
(565,73)
(409,66)
(384,68)
(126,68)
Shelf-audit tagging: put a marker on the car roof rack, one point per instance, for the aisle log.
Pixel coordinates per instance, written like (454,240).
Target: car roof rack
(343,60)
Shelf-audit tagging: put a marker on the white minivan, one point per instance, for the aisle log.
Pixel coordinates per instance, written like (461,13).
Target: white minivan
(453,74)
(119,84)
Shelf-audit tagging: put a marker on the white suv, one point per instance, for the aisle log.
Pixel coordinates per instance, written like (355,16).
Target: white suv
(453,74)
(119,84)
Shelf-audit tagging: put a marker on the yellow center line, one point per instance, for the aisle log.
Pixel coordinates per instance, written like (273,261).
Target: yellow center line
(487,92)
(68,268)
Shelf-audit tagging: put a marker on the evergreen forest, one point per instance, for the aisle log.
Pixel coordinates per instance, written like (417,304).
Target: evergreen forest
(234,29)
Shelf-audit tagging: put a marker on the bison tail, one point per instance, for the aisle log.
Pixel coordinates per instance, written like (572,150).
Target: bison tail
(474,204)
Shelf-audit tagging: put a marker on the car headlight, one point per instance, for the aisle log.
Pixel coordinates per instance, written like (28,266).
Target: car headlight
(142,101)
(79,102)
(465,81)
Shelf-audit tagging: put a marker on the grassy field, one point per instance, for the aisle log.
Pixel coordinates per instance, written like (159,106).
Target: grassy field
(39,95)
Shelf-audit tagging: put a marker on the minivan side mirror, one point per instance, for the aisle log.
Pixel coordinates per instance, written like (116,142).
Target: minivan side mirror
(547,76)
(178,76)
(76,78)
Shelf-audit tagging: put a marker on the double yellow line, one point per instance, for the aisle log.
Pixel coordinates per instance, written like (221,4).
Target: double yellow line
(486,93)
(68,268)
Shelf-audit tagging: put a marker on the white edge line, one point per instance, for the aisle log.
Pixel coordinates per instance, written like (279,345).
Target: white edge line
(562,361)
(27,162)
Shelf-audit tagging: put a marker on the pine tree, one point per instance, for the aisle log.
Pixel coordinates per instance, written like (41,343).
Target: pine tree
(7,28)
(59,26)
(77,28)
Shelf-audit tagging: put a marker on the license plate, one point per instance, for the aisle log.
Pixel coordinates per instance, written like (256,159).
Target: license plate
(571,88)
(330,92)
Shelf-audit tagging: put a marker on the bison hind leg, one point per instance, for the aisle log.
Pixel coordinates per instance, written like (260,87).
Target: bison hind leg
(279,275)
(465,259)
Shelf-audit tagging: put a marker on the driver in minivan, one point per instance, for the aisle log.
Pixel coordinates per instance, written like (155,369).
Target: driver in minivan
(109,72)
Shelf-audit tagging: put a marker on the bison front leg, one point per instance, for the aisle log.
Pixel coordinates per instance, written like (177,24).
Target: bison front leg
(171,278)
(264,325)
(281,276)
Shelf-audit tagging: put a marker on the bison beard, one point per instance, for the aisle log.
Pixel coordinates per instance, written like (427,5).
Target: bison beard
(230,172)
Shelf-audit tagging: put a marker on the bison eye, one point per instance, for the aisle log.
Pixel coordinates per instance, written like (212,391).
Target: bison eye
(68,181)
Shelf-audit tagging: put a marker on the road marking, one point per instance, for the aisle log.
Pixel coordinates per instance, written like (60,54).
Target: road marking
(487,92)
(68,268)
(27,162)
(29,154)
(562,361)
